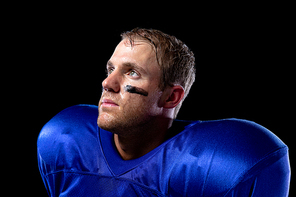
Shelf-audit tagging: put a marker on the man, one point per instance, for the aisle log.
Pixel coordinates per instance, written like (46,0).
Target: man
(132,145)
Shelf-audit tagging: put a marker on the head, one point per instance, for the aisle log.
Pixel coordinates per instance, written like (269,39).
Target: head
(159,66)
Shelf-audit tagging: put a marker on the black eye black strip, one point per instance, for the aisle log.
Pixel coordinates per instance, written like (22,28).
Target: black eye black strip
(135,90)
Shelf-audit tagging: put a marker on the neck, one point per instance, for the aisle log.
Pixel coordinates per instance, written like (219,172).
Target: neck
(145,139)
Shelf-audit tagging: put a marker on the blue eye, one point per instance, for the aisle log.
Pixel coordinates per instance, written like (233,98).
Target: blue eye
(133,73)
(109,71)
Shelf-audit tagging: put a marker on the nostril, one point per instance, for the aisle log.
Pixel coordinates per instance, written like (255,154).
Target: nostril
(104,89)
(107,89)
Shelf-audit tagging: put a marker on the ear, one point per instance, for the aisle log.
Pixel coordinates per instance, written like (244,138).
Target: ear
(173,96)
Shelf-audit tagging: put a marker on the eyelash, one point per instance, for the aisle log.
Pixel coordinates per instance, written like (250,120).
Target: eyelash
(133,71)
(110,70)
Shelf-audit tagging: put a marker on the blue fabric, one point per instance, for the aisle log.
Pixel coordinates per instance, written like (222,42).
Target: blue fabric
(228,157)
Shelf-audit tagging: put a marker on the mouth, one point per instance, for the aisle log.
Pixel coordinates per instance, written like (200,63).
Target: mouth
(108,103)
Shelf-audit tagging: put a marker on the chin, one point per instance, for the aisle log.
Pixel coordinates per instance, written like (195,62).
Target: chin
(124,124)
(103,121)
(107,122)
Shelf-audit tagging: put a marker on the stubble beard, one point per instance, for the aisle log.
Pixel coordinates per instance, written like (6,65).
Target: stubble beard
(132,117)
(130,121)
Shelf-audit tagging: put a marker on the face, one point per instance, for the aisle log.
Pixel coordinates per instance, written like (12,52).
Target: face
(131,95)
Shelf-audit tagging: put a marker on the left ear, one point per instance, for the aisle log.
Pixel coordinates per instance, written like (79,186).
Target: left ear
(173,96)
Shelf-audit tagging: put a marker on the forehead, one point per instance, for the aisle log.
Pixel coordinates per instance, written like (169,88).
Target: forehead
(140,53)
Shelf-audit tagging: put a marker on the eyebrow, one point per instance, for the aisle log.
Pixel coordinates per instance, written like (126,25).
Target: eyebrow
(130,65)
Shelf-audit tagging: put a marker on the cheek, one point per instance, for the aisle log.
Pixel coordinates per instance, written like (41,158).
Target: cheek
(139,104)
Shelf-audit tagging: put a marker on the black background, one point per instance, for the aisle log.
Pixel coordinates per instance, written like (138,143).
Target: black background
(57,55)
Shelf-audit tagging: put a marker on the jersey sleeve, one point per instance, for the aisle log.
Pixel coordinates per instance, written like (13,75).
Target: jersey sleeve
(270,177)
(66,142)
(240,159)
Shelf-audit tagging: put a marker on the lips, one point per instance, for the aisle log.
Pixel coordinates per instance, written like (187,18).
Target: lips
(108,103)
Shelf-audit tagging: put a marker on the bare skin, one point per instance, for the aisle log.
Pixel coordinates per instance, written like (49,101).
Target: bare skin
(132,106)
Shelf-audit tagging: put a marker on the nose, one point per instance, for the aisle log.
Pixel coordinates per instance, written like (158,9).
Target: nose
(111,83)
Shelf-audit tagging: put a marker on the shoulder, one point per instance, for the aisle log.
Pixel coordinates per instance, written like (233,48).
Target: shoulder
(223,152)
(69,120)
(237,135)
(73,114)
(236,141)
(73,130)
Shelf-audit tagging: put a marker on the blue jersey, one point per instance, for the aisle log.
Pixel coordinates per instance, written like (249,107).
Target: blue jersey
(228,157)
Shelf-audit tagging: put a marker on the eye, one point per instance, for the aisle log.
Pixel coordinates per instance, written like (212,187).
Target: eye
(109,71)
(133,73)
